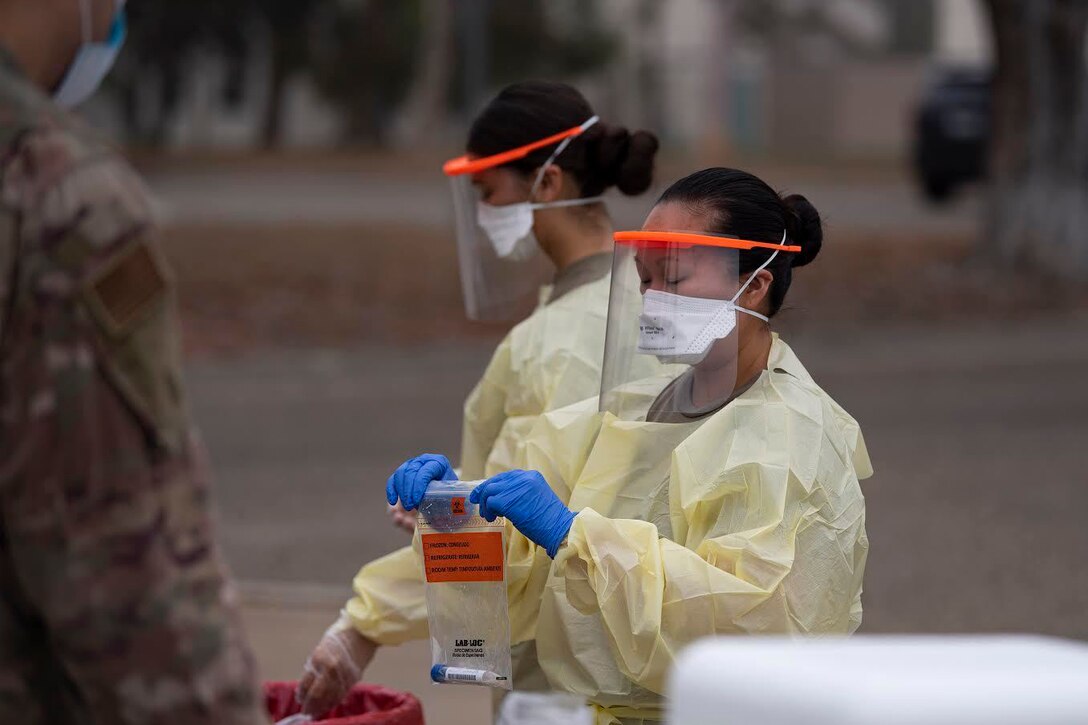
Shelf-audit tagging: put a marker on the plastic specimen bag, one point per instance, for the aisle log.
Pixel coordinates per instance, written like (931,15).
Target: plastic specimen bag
(464,571)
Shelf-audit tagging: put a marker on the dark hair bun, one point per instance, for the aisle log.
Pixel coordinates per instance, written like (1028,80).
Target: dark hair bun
(636,173)
(620,158)
(805,228)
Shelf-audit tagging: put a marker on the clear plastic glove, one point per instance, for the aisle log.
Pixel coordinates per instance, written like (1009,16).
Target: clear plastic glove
(409,482)
(295,720)
(530,504)
(334,667)
(402,519)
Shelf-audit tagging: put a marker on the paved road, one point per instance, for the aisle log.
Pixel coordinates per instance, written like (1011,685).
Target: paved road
(977,432)
(303,443)
(340,197)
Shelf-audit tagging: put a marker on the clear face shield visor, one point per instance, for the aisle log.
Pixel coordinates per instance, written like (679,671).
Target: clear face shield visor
(501,265)
(674,324)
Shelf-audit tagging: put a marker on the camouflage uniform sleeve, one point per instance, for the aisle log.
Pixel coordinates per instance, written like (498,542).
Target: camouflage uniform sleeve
(7,259)
(8,247)
(103,488)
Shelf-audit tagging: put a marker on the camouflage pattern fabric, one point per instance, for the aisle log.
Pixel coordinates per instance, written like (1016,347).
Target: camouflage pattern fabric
(115,605)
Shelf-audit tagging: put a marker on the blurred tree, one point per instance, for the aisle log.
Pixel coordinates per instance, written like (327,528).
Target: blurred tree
(163,36)
(473,51)
(912,24)
(529,39)
(364,59)
(291,25)
(471,46)
(1038,210)
(425,108)
(785,23)
(368,57)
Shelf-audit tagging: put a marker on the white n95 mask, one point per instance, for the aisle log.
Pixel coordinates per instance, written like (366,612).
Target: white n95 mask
(680,329)
(510,226)
(93,60)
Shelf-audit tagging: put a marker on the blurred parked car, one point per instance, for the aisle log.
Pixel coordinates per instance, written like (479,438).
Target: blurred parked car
(952,132)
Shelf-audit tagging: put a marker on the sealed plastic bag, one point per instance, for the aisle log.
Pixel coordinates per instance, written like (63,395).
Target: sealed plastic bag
(464,572)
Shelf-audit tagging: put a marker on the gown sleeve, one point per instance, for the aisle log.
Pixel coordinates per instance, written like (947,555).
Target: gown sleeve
(390,605)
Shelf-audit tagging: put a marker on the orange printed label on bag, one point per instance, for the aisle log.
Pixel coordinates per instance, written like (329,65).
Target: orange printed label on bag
(457,505)
(474,557)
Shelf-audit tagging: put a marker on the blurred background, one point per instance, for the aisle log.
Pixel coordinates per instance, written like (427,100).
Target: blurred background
(295,147)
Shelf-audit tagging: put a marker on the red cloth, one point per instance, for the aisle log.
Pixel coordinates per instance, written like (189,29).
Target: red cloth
(364,705)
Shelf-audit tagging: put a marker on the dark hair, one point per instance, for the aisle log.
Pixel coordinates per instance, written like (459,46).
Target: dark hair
(744,206)
(604,156)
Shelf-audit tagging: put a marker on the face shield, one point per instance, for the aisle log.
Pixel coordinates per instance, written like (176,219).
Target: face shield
(675,298)
(501,264)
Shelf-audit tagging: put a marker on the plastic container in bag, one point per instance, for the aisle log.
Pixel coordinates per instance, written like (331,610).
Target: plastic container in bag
(464,571)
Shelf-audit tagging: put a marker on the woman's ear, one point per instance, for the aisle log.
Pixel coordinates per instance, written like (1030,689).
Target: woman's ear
(550,187)
(758,294)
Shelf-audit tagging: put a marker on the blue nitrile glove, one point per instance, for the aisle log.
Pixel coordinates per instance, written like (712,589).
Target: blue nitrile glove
(409,482)
(526,499)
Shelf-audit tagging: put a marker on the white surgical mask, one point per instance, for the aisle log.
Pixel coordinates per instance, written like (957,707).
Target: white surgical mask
(681,329)
(509,227)
(93,60)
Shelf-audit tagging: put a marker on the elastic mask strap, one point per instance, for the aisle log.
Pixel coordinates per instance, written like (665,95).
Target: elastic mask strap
(558,150)
(753,313)
(566,202)
(751,277)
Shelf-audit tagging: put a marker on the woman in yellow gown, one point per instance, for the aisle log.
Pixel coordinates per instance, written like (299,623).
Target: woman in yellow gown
(532,226)
(718,496)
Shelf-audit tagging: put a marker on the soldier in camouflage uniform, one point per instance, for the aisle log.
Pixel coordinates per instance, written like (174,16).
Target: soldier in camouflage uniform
(115,606)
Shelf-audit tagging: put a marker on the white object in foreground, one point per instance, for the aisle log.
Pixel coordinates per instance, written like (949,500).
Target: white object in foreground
(991,680)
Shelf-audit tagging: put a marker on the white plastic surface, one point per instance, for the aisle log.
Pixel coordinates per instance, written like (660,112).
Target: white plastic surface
(544,708)
(991,680)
